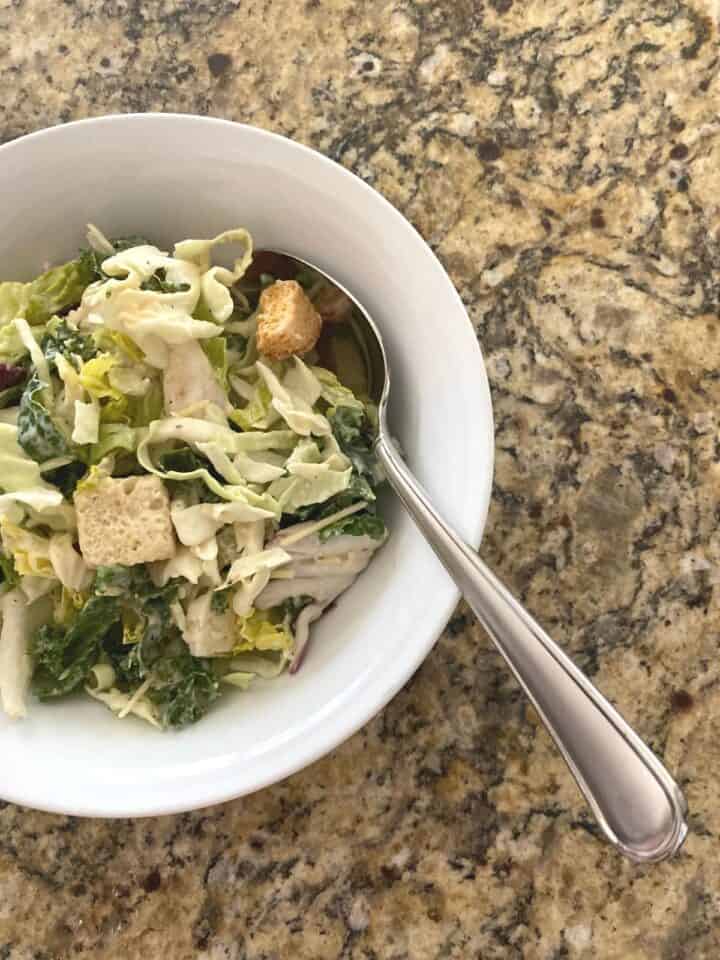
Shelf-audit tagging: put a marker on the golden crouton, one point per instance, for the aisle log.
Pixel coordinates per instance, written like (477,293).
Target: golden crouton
(124,521)
(288,323)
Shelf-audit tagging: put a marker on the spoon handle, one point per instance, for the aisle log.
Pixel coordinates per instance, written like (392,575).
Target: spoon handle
(639,807)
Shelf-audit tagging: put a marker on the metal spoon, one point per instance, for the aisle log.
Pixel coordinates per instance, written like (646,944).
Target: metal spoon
(637,804)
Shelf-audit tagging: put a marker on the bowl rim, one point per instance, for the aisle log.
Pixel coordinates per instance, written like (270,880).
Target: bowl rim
(347,725)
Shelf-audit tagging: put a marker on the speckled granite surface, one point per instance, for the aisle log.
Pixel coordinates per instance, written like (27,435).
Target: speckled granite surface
(564,161)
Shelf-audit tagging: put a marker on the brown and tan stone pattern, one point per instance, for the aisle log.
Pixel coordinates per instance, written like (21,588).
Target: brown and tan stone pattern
(563,159)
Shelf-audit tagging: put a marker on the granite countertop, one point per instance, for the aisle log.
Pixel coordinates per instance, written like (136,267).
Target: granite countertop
(563,159)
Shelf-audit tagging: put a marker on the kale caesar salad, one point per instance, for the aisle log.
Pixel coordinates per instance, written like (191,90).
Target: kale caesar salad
(187,477)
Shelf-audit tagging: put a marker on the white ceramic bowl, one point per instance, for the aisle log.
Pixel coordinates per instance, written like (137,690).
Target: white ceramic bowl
(170,177)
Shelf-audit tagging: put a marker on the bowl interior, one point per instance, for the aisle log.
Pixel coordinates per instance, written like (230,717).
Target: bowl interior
(172,177)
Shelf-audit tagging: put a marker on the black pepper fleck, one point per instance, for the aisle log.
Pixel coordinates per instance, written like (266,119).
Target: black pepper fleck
(597,220)
(679,152)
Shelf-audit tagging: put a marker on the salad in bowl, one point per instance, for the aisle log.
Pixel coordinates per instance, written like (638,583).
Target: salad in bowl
(187,478)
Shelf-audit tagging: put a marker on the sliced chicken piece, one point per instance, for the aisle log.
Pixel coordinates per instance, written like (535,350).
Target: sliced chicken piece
(189,380)
(207,633)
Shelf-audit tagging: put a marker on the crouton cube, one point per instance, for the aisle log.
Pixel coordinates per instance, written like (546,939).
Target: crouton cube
(125,521)
(288,323)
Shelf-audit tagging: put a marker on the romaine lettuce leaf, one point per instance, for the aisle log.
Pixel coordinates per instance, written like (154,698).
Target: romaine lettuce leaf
(112,341)
(258,413)
(259,631)
(50,293)
(30,551)
(93,377)
(216,352)
(150,406)
(113,436)
(18,472)
(333,392)
(13,301)
(59,288)
(12,349)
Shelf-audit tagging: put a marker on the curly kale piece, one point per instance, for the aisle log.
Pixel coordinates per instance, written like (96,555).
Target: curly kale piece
(183,688)
(61,338)
(63,657)
(38,434)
